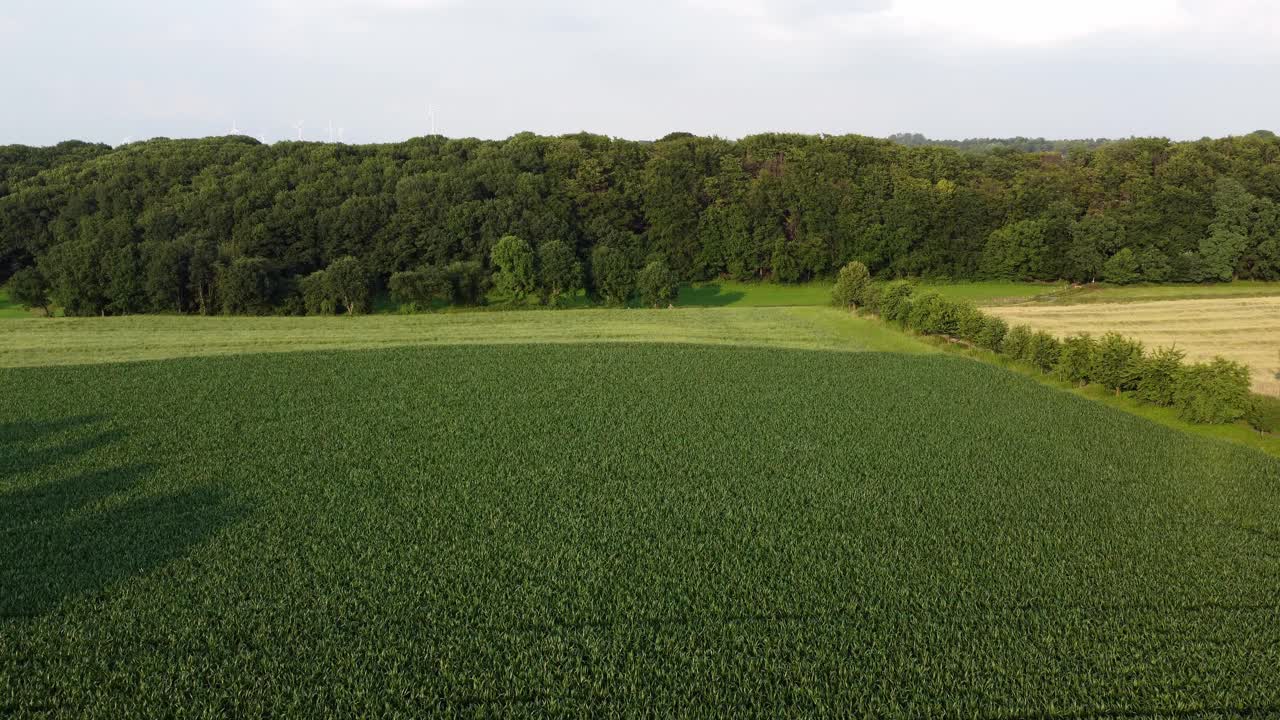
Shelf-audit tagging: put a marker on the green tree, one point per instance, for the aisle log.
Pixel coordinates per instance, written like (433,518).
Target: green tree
(1216,392)
(851,285)
(993,333)
(1077,359)
(895,301)
(246,286)
(1118,363)
(349,284)
(1121,268)
(28,288)
(1160,375)
(561,273)
(515,276)
(1229,233)
(317,295)
(657,284)
(1042,351)
(1016,341)
(467,282)
(1016,251)
(612,275)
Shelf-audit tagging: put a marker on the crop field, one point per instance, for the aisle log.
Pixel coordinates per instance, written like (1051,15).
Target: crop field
(1242,329)
(610,528)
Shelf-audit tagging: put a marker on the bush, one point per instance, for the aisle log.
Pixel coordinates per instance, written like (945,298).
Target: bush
(1264,413)
(1015,342)
(1042,351)
(993,333)
(1216,392)
(851,285)
(873,296)
(1077,359)
(467,282)
(969,321)
(656,284)
(895,301)
(1119,363)
(1158,384)
(933,314)
(417,290)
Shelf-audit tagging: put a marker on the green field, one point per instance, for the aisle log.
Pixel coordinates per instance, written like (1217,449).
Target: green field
(617,527)
(727,293)
(63,341)
(1144,293)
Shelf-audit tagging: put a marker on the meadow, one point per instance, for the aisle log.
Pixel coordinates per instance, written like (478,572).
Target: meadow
(1246,329)
(638,528)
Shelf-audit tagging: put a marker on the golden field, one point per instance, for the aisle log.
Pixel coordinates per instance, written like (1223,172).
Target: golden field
(1242,329)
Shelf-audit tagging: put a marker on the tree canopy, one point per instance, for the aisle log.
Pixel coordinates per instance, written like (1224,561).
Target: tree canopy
(229,224)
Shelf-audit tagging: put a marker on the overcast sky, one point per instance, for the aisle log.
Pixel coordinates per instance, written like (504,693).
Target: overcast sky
(103,71)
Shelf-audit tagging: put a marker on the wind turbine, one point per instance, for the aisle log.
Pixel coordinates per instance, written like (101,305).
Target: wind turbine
(431,116)
(330,131)
(340,139)
(126,140)
(298,127)
(234,130)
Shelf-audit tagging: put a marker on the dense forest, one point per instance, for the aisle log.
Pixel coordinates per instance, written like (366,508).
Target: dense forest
(228,224)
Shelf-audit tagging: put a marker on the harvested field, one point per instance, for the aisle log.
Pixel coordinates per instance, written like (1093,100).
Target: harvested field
(1242,329)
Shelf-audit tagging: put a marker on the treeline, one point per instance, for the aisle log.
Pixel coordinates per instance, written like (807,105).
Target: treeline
(1016,144)
(185,226)
(1215,392)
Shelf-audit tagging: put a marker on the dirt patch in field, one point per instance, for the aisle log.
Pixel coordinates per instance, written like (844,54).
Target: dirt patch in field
(1243,329)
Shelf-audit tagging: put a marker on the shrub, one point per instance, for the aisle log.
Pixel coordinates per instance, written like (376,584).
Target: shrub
(851,285)
(1264,413)
(416,290)
(656,284)
(1215,392)
(1119,363)
(969,321)
(1159,380)
(1077,359)
(873,296)
(1042,351)
(993,333)
(895,301)
(467,282)
(1015,342)
(932,314)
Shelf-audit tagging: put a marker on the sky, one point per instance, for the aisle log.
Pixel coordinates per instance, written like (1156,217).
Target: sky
(133,69)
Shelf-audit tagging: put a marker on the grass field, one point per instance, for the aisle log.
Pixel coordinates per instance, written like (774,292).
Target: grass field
(1146,293)
(610,528)
(62,341)
(1243,329)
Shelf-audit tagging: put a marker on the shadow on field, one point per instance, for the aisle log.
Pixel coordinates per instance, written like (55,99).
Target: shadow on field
(708,296)
(79,532)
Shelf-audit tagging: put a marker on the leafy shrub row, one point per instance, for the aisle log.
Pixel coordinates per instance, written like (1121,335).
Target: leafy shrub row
(1213,392)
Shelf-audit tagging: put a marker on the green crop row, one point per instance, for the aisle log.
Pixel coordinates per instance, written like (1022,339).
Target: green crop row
(1215,392)
(620,530)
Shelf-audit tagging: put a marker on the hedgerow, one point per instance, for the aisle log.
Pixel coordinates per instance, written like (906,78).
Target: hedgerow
(626,530)
(1216,392)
